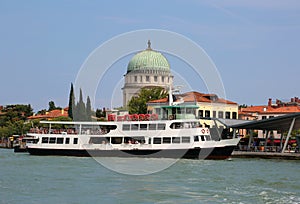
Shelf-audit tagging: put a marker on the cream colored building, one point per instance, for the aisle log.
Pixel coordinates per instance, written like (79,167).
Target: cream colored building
(195,104)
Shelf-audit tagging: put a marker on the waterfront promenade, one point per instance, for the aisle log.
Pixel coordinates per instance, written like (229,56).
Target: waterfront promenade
(266,155)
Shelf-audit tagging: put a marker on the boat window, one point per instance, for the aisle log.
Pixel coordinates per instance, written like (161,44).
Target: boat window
(140,140)
(207,137)
(60,140)
(195,124)
(187,125)
(52,140)
(196,139)
(202,138)
(134,126)
(152,126)
(96,140)
(175,125)
(75,141)
(156,140)
(67,140)
(116,140)
(166,140)
(143,126)
(161,126)
(185,139)
(175,139)
(126,127)
(45,139)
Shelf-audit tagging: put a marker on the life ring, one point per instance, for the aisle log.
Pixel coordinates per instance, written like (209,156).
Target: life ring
(203,131)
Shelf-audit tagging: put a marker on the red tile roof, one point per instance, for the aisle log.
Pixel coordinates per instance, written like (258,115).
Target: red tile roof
(271,109)
(196,96)
(51,114)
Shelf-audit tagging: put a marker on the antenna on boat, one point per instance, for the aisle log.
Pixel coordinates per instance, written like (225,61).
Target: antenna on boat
(170,95)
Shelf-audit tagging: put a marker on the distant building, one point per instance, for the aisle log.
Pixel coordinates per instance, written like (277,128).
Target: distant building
(272,109)
(51,114)
(148,68)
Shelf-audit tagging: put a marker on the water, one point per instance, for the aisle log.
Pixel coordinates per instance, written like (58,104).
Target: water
(37,179)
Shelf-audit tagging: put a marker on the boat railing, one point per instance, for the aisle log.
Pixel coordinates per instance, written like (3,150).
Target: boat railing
(69,131)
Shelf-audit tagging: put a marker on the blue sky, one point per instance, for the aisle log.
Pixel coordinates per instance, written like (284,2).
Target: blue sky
(254,44)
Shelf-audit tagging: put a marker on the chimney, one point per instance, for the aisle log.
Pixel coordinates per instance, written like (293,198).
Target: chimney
(292,100)
(62,111)
(270,102)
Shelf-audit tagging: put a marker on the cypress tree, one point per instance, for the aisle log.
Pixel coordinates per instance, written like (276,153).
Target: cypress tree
(80,109)
(71,102)
(88,109)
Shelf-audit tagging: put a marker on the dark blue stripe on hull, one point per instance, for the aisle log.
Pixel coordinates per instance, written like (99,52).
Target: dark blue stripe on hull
(215,153)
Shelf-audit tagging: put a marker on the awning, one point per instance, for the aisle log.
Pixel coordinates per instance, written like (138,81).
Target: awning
(277,123)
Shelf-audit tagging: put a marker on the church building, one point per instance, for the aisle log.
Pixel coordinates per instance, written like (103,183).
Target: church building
(147,68)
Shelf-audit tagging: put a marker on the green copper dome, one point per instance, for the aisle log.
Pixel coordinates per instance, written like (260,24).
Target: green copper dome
(148,60)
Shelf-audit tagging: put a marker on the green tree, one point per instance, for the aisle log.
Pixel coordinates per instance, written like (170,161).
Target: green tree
(51,106)
(71,102)
(137,104)
(100,113)
(88,109)
(80,109)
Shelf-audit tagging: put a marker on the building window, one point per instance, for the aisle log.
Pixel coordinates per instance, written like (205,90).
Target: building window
(264,117)
(227,115)
(135,78)
(162,79)
(157,111)
(200,113)
(141,78)
(207,113)
(234,115)
(155,78)
(220,114)
(147,78)
(214,114)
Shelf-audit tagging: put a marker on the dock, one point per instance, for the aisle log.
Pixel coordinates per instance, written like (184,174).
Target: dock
(266,155)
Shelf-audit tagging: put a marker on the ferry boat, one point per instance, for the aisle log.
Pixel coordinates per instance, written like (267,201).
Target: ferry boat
(180,138)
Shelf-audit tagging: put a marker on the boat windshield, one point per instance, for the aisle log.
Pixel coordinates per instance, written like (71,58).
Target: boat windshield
(185,125)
